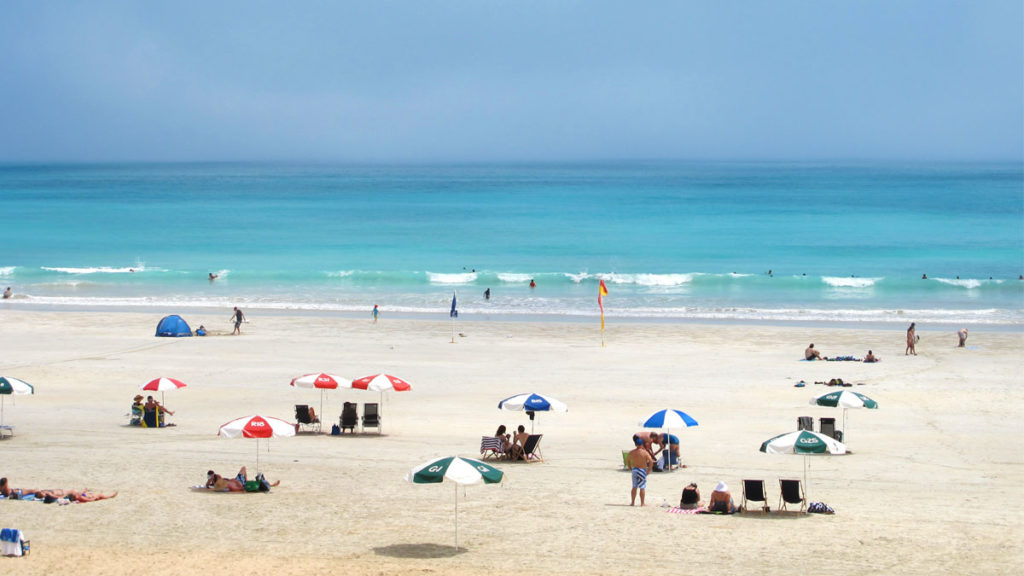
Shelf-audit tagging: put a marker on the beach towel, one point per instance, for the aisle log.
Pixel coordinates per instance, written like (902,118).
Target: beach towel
(685,511)
(10,542)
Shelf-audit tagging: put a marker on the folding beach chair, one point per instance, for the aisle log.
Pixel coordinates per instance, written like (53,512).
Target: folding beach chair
(490,447)
(827,426)
(371,416)
(805,423)
(349,417)
(305,419)
(753,491)
(791,492)
(531,448)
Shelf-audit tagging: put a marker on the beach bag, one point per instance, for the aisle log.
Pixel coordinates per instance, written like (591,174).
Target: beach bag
(264,485)
(335,430)
(820,508)
(252,485)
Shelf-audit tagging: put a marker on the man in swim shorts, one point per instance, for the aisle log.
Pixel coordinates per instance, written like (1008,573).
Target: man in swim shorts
(640,462)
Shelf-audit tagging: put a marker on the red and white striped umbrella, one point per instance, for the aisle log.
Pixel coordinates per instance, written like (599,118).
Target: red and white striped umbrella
(161,385)
(323,381)
(381,382)
(257,427)
(320,380)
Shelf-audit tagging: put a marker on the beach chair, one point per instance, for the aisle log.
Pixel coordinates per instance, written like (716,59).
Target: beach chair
(791,492)
(371,416)
(753,491)
(827,426)
(490,447)
(805,423)
(151,419)
(305,419)
(531,448)
(13,543)
(6,432)
(349,417)
(625,459)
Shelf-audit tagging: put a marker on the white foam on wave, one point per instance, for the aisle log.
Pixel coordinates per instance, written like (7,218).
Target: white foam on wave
(341,274)
(649,279)
(6,270)
(969,283)
(839,282)
(512,277)
(94,270)
(578,278)
(461,278)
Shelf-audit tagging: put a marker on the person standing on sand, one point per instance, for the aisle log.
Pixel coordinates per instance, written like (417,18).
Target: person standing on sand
(376,313)
(640,463)
(911,340)
(962,334)
(238,317)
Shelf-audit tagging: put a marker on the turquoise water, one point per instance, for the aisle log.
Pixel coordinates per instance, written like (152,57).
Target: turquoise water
(670,239)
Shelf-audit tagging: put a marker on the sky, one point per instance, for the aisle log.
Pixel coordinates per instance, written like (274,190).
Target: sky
(511,80)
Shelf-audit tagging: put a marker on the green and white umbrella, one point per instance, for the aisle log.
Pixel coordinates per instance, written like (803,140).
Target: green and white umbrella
(461,471)
(805,443)
(846,400)
(10,385)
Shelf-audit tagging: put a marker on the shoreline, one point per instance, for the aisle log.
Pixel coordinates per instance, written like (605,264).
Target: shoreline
(572,319)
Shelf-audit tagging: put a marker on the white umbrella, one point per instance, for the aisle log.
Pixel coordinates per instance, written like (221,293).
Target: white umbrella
(844,399)
(257,427)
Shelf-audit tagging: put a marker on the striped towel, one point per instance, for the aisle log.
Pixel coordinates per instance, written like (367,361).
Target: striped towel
(682,511)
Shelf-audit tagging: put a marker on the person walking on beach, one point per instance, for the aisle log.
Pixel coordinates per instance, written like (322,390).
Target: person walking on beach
(962,334)
(376,313)
(238,317)
(640,463)
(911,340)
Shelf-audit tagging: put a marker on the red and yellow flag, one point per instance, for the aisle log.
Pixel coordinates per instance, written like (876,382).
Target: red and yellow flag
(602,291)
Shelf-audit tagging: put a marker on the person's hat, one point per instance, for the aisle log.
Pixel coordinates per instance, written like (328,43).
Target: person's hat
(138,397)
(721,486)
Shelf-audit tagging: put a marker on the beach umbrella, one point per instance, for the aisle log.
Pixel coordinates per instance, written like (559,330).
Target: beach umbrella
(322,381)
(381,383)
(805,443)
(846,400)
(257,427)
(460,471)
(9,386)
(162,385)
(668,419)
(532,402)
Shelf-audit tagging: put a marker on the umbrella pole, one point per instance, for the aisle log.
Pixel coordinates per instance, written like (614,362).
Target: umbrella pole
(844,425)
(321,414)
(456,516)
(257,456)
(2,409)
(807,487)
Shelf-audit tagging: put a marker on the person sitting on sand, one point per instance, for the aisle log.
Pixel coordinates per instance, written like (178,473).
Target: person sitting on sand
(137,411)
(811,354)
(962,334)
(721,500)
(690,499)
(672,443)
(871,357)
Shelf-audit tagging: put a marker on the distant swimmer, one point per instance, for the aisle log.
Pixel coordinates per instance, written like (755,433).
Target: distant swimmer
(7,293)
(769,272)
(532,283)
(924,276)
(213,276)
(487,294)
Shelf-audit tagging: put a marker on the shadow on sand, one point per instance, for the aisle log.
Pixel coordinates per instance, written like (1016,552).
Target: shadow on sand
(419,551)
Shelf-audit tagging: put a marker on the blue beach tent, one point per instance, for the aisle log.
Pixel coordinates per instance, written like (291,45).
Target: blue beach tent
(173,326)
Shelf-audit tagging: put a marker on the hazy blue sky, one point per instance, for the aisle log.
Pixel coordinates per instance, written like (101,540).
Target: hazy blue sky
(476,80)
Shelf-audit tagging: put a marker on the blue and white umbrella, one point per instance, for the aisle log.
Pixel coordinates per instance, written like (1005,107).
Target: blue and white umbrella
(668,419)
(532,402)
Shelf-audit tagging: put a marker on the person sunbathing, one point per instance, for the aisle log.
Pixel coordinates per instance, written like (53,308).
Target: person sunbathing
(721,500)
(218,483)
(72,495)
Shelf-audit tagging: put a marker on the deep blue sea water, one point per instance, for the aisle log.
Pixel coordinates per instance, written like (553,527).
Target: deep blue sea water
(844,242)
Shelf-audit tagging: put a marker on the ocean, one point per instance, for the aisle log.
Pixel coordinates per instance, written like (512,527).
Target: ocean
(732,241)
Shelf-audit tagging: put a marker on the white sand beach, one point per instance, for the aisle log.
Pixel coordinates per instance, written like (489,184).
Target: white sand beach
(932,486)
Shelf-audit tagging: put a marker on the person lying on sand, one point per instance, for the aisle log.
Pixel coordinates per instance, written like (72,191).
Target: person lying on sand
(218,483)
(72,495)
